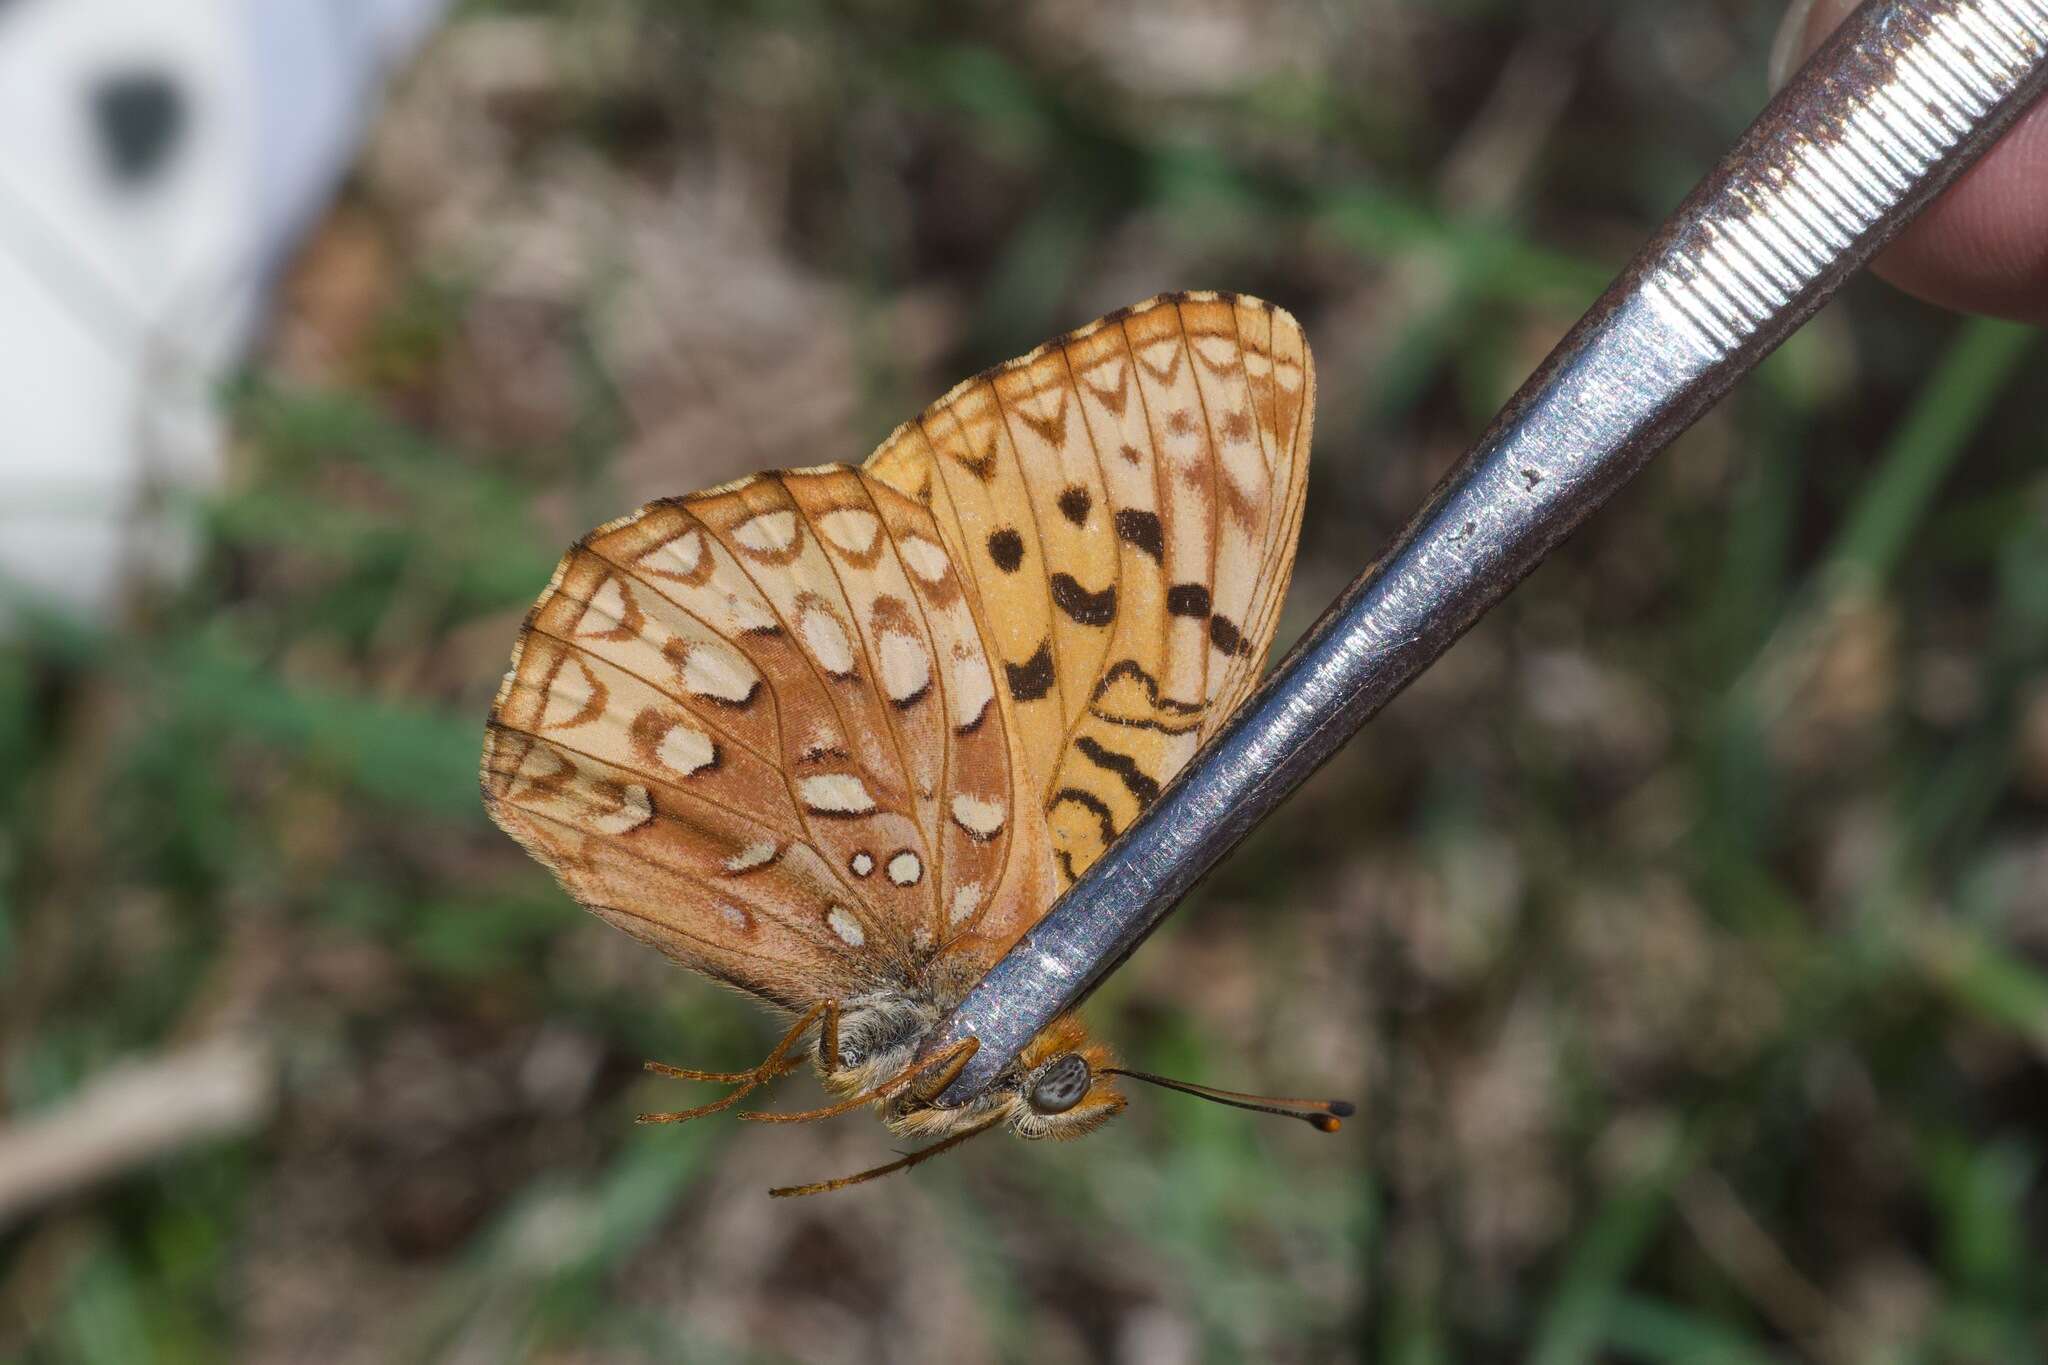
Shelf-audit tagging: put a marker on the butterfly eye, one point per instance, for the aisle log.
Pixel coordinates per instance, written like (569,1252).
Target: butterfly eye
(1061,1085)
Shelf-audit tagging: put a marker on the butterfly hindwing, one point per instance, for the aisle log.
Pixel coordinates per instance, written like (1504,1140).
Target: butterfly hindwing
(853,780)
(626,751)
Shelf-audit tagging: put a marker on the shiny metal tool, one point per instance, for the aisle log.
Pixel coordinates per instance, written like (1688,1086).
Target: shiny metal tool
(1898,103)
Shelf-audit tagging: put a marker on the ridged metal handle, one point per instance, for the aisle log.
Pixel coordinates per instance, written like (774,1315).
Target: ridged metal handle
(1858,138)
(1904,96)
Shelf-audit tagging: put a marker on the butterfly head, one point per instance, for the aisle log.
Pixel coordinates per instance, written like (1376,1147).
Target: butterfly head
(1059,1088)
(1063,1086)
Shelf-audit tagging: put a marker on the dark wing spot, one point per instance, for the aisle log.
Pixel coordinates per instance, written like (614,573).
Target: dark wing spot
(1224,634)
(1142,530)
(1088,608)
(139,116)
(1187,599)
(1033,678)
(1006,548)
(1075,504)
(1135,780)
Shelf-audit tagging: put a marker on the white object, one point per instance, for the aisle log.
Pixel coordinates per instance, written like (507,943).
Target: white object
(157,160)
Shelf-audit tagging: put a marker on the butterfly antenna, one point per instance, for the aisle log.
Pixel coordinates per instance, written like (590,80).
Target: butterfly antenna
(1325,1116)
(902,1164)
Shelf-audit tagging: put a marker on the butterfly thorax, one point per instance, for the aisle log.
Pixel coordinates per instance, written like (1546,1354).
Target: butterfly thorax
(879,1034)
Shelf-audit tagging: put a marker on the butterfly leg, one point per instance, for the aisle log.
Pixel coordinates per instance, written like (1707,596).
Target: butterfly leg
(902,1164)
(683,1073)
(828,1038)
(779,1062)
(947,1064)
(950,1064)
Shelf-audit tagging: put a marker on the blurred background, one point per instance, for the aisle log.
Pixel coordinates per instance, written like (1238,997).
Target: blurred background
(1683,934)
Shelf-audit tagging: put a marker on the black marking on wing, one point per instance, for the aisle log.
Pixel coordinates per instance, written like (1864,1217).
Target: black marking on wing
(1187,599)
(1088,608)
(1091,803)
(1033,678)
(1075,504)
(1006,548)
(1131,668)
(1224,634)
(1142,530)
(1135,779)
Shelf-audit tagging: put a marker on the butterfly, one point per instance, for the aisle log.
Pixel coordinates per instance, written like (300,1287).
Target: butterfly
(838,736)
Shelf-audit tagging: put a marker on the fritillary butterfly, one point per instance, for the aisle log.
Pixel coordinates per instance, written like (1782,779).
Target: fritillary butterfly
(838,736)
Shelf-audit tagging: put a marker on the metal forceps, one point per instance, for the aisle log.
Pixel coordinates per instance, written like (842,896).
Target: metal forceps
(1904,97)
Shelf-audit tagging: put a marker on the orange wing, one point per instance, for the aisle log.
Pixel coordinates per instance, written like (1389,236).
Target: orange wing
(1126,500)
(756,728)
(810,730)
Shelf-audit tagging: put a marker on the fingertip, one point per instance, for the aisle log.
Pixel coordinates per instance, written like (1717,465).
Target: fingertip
(1793,42)
(1982,247)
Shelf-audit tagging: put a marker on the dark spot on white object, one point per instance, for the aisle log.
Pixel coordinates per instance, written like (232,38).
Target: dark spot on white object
(140,116)
(1532,477)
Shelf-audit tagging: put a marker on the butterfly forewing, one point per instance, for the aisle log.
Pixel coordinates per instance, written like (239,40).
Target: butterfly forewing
(1125,500)
(811,732)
